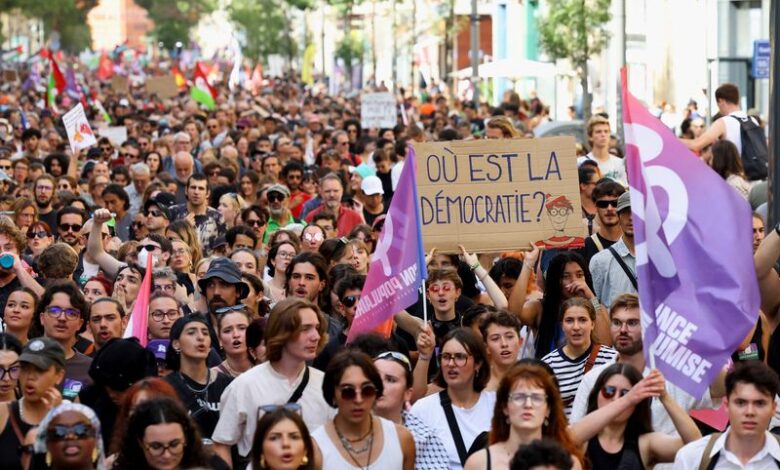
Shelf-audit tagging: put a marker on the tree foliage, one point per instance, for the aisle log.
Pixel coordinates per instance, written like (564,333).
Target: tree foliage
(67,17)
(173,19)
(575,29)
(266,25)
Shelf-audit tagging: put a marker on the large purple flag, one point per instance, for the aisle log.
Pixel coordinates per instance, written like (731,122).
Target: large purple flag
(398,265)
(697,284)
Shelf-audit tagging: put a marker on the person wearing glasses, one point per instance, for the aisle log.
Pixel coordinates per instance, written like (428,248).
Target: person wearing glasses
(605,194)
(12,243)
(69,437)
(39,237)
(231,331)
(280,256)
(295,333)
(396,372)
(312,237)
(10,350)
(620,434)
(528,408)
(464,372)
(198,387)
(163,312)
(42,370)
(257,218)
(347,291)
(157,213)
(160,435)
(278,200)
(70,220)
(356,438)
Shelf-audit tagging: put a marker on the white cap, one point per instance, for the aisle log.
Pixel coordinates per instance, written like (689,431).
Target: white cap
(124,102)
(372,185)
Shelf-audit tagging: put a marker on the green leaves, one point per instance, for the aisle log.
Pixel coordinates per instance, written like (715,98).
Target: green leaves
(173,19)
(574,29)
(263,22)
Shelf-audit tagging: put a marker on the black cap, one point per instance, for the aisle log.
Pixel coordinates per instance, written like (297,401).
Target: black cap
(179,324)
(120,363)
(43,353)
(163,201)
(225,269)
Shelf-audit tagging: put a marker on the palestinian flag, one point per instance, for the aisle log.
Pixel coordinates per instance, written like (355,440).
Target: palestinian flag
(201,91)
(56,81)
(12,55)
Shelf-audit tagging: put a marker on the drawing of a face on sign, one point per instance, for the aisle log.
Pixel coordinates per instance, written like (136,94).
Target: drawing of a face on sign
(559,209)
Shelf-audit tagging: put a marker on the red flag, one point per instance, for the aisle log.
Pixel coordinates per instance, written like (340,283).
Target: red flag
(201,72)
(106,67)
(59,78)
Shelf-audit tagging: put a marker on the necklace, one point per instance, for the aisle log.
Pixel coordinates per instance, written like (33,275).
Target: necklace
(350,450)
(194,390)
(21,410)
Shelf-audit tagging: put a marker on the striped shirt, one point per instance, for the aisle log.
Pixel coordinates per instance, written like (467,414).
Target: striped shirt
(569,371)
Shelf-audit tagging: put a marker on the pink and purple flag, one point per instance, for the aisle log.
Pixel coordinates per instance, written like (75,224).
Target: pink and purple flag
(698,291)
(138,324)
(398,264)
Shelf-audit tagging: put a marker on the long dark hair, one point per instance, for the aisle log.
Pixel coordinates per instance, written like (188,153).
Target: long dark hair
(639,423)
(268,421)
(726,160)
(553,297)
(160,411)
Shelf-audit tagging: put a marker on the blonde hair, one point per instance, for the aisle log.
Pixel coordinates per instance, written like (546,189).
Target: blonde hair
(502,123)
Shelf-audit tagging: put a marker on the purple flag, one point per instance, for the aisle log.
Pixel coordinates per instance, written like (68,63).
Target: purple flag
(697,284)
(71,84)
(398,265)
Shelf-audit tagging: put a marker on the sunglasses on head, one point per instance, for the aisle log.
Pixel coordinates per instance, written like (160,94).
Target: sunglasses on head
(70,227)
(265,409)
(61,432)
(348,392)
(231,308)
(397,357)
(274,197)
(349,301)
(604,203)
(609,391)
(37,234)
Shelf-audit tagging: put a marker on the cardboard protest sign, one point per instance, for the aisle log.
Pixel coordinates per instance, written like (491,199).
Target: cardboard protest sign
(80,135)
(165,87)
(120,84)
(10,76)
(117,134)
(377,110)
(499,195)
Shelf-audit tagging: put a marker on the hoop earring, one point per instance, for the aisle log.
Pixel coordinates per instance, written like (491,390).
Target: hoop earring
(94,455)
(48,459)
(262,461)
(305,459)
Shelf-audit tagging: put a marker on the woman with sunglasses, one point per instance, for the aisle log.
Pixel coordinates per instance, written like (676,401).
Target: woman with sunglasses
(231,330)
(528,408)
(279,257)
(257,218)
(579,354)
(39,238)
(19,314)
(396,372)
(464,372)
(10,350)
(183,231)
(355,438)
(312,237)
(69,438)
(199,388)
(283,442)
(161,436)
(618,428)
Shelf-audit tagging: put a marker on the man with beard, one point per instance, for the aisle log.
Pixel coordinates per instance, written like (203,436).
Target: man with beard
(292,175)
(614,269)
(222,287)
(44,197)
(196,211)
(626,332)
(278,198)
(605,196)
(331,191)
(70,220)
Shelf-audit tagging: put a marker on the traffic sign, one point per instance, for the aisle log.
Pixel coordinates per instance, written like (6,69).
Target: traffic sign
(761,53)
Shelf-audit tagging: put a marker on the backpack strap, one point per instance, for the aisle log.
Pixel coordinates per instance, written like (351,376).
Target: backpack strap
(626,269)
(25,457)
(594,354)
(446,404)
(707,461)
(597,241)
(299,390)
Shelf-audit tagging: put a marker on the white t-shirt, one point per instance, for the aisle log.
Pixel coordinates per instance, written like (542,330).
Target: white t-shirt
(259,386)
(471,422)
(661,420)
(614,168)
(733,129)
(690,456)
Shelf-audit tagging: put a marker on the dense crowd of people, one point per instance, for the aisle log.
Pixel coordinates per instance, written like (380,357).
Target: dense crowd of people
(254,224)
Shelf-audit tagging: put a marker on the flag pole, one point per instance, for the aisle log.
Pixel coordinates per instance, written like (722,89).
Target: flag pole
(425,304)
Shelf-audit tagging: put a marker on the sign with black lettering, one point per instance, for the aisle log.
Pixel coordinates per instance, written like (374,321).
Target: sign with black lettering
(499,195)
(378,110)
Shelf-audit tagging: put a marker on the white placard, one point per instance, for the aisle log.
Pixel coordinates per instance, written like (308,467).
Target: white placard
(80,135)
(116,134)
(378,110)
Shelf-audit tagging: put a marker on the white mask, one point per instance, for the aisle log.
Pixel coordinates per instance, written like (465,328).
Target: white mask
(143,256)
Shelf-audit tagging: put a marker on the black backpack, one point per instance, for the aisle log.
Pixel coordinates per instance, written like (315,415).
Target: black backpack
(755,153)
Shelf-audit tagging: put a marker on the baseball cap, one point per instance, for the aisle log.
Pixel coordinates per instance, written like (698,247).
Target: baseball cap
(121,362)
(278,188)
(362,170)
(124,102)
(624,201)
(158,347)
(43,353)
(372,185)
(225,269)
(163,201)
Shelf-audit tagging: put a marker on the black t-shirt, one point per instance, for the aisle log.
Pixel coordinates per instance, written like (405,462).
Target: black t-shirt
(590,249)
(202,402)
(51,221)
(5,292)
(370,218)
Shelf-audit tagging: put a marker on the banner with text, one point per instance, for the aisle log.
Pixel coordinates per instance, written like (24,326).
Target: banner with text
(80,135)
(498,195)
(378,110)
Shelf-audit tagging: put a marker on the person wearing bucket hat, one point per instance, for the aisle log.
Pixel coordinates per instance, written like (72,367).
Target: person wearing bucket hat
(198,387)
(42,371)
(222,286)
(614,269)
(117,365)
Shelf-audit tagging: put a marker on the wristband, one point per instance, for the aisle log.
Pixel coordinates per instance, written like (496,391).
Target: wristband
(421,357)
(595,302)
(476,265)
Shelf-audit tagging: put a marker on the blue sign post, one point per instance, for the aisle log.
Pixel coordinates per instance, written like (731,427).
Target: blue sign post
(761,53)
